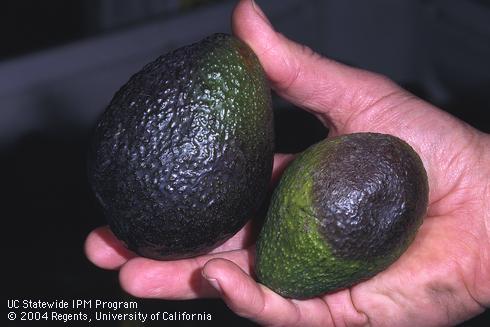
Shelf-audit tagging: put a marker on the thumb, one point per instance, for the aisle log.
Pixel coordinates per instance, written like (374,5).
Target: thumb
(333,91)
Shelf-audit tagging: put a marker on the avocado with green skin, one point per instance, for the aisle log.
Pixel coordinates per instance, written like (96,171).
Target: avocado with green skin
(344,210)
(183,154)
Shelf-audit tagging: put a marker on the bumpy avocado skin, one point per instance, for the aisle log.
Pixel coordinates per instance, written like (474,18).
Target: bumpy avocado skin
(183,154)
(344,210)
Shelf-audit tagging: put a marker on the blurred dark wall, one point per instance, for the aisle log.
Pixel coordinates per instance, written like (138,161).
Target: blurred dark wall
(28,26)
(61,62)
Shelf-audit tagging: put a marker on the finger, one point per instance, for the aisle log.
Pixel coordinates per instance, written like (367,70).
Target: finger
(174,280)
(256,302)
(330,89)
(343,311)
(104,250)
(281,161)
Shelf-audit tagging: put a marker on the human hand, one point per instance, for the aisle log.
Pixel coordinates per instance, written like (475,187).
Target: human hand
(443,277)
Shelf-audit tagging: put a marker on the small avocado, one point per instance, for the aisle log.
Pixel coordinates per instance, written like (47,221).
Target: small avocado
(183,154)
(344,210)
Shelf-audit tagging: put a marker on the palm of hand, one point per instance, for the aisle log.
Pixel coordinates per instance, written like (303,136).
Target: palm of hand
(443,277)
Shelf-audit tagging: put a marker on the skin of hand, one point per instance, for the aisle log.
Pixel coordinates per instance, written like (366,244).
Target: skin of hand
(444,276)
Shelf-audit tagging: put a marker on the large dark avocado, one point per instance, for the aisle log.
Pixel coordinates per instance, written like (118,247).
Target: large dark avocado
(183,154)
(344,210)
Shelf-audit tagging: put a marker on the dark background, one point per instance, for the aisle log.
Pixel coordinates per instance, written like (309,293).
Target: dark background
(61,62)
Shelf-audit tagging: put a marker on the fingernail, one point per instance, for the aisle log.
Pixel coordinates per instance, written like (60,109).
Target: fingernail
(214,283)
(260,12)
